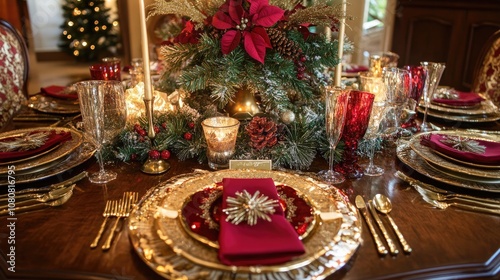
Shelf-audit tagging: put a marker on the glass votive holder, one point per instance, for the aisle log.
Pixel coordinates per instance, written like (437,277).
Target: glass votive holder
(372,84)
(220,134)
(107,69)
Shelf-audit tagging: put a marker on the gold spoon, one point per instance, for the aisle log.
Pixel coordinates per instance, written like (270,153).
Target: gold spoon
(383,204)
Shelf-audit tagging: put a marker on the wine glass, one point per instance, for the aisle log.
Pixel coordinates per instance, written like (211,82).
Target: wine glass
(418,76)
(357,117)
(379,111)
(336,100)
(434,72)
(102,105)
(398,89)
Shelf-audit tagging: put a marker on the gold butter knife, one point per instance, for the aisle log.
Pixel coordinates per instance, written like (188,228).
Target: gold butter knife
(360,204)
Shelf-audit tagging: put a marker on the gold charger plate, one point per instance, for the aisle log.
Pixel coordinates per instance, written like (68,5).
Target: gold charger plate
(75,158)
(476,165)
(64,149)
(48,104)
(461,118)
(163,244)
(410,158)
(31,157)
(429,155)
(484,108)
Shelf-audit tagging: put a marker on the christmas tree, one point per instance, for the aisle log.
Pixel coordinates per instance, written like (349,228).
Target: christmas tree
(88,31)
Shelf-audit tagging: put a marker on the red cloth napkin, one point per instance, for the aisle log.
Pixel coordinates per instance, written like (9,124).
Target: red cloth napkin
(464,99)
(53,139)
(58,92)
(264,243)
(491,154)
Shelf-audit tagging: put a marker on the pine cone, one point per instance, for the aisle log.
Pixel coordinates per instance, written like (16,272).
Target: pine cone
(286,47)
(262,132)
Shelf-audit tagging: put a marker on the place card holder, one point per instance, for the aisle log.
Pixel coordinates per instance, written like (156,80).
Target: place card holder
(259,164)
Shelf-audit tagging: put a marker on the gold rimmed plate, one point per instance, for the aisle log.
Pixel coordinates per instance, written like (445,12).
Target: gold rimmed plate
(48,104)
(410,158)
(72,160)
(201,212)
(31,157)
(484,108)
(462,117)
(64,149)
(429,155)
(162,242)
(463,176)
(476,165)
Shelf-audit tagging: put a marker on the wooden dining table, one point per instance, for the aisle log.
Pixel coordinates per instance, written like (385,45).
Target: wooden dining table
(54,242)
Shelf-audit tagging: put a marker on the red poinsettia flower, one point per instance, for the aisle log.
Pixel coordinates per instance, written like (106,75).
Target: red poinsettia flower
(247,24)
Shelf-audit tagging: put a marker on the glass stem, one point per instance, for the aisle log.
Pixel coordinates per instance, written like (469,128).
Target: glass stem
(331,157)
(98,155)
(424,121)
(371,152)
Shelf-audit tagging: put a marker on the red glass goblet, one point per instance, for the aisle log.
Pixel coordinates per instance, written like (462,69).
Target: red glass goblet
(357,119)
(418,76)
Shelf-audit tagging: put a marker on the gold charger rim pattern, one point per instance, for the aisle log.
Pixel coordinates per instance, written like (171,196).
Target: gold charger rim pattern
(64,149)
(410,158)
(169,262)
(427,154)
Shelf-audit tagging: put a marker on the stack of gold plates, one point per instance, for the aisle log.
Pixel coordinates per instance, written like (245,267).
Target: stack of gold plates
(53,105)
(448,169)
(174,227)
(485,111)
(50,162)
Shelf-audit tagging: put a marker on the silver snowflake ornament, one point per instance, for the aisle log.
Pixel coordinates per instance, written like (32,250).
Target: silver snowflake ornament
(464,144)
(249,208)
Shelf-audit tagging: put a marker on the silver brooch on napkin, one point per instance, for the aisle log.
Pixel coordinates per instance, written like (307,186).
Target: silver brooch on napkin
(25,142)
(464,144)
(249,208)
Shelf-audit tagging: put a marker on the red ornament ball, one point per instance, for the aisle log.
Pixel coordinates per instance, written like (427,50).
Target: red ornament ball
(165,154)
(188,136)
(154,154)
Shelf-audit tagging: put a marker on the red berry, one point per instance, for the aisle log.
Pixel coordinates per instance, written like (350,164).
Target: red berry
(141,139)
(164,125)
(191,125)
(300,76)
(157,129)
(133,157)
(188,136)
(154,154)
(142,132)
(303,58)
(165,154)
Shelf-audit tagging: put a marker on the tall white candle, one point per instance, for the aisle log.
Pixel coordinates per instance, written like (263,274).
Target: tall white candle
(338,69)
(148,91)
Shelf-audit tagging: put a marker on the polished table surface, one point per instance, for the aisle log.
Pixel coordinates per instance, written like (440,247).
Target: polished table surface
(53,243)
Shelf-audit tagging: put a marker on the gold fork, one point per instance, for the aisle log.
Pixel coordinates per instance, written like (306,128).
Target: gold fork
(128,201)
(110,208)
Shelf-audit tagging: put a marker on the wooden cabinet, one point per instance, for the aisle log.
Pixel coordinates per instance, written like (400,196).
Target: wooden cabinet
(449,31)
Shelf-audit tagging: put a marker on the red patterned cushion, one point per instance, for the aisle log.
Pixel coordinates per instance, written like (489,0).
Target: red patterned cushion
(488,80)
(11,75)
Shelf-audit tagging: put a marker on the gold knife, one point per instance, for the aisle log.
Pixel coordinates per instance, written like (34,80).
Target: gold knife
(360,204)
(392,246)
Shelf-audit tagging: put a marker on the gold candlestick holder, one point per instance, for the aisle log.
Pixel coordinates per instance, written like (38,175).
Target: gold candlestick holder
(153,166)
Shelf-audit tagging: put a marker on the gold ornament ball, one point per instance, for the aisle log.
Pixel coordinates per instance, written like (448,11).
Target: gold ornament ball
(288,117)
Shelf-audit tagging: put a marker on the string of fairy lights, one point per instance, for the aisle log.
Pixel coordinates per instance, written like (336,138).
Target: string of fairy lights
(79,42)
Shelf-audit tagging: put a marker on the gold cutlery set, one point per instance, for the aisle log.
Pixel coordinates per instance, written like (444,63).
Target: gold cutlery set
(443,199)
(383,205)
(118,209)
(39,198)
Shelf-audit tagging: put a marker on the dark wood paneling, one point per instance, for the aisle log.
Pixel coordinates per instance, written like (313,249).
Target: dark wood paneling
(445,31)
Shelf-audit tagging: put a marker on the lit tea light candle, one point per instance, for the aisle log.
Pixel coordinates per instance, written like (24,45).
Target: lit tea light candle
(220,134)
